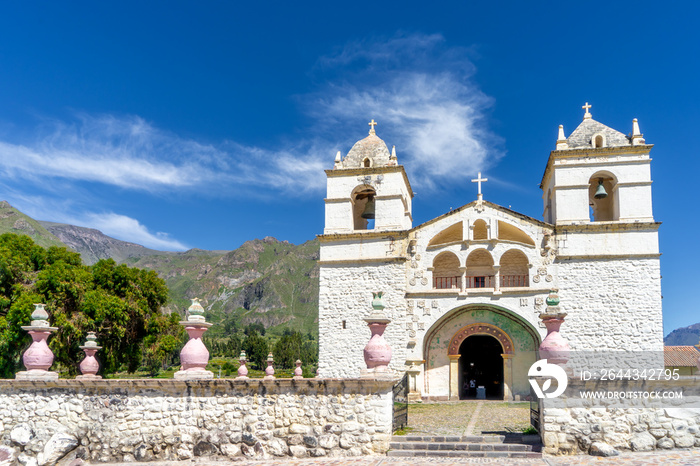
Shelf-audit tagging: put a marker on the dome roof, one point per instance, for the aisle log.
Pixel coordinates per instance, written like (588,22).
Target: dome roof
(372,148)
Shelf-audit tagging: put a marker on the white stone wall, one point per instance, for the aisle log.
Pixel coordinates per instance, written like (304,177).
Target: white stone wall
(571,427)
(612,304)
(345,294)
(142,420)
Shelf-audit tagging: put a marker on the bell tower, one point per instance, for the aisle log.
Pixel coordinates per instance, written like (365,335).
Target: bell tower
(598,174)
(368,190)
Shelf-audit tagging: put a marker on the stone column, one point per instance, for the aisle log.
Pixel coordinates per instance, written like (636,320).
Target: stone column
(38,357)
(462,279)
(454,376)
(507,377)
(194,356)
(377,352)
(496,279)
(89,366)
(414,393)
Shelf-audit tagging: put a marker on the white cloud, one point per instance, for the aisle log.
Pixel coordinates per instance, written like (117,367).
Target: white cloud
(421,94)
(129,229)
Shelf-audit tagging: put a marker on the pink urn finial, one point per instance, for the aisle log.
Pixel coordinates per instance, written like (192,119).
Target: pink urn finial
(89,366)
(270,370)
(298,373)
(377,352)
(194,356)
(38,357)
(242,369)
(554,347)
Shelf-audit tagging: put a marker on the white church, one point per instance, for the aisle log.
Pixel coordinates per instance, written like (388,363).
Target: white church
(464,291)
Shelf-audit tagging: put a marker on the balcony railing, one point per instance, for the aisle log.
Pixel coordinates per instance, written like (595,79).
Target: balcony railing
(483,281)
(446,283)
(512,281)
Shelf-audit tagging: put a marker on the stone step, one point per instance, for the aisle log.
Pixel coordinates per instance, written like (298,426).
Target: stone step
(438,439)
(460,446)
(463,454)
(475,446)
(510,438)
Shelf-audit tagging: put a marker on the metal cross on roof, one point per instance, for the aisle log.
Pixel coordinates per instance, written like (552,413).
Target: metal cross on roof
(372,124)
(478,180)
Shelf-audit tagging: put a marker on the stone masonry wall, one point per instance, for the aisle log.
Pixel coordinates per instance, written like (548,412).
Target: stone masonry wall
(345,294)
(612,304)
(127,420)
(576,427)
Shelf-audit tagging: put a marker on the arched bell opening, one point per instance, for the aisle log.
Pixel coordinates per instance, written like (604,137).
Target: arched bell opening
(363,210)
(481,368)
(602,197)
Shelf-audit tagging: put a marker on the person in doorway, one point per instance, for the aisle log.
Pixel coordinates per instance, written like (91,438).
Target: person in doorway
(472,387)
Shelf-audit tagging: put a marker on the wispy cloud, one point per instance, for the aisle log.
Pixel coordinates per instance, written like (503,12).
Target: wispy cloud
(129,229)
(126,152)
(421,93)
(418,87)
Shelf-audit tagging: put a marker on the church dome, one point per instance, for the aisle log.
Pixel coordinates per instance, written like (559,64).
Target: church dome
(368,152)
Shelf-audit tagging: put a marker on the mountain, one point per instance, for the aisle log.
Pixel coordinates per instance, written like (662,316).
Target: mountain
(14,221)
(270,282)
(266,281)
(94,245)
(684,336)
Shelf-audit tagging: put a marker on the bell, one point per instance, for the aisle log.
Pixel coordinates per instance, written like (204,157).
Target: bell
(600,193)
(368,213)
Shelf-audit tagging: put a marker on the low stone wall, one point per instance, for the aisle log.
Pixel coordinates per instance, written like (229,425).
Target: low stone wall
(577,426)
(140,420)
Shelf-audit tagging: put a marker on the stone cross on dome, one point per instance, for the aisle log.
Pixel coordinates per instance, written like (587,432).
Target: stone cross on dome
(372,124)
(478,180)
(587,107)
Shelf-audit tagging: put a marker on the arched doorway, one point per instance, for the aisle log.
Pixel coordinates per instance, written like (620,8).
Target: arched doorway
(442,375)
(481,368)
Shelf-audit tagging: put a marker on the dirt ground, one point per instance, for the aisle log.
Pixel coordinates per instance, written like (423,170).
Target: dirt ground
(453,418)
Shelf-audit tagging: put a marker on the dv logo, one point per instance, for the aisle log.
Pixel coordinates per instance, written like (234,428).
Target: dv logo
(543,369)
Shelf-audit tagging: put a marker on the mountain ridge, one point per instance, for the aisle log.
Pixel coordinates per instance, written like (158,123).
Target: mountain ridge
(265,281)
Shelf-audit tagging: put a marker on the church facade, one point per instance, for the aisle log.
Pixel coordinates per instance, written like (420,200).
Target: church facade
(464,291)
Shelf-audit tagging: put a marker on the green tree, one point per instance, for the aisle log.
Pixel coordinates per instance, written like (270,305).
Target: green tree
(256,348)
(120,303)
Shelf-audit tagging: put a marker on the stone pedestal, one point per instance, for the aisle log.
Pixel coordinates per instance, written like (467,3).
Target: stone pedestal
(377,353)
(89,366)
(554,348)
(194,356)
(298,372)
(270,370)
(38,357)
(414,393)
(242,369)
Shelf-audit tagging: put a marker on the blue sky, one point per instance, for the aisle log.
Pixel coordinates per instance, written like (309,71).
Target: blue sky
(205,124)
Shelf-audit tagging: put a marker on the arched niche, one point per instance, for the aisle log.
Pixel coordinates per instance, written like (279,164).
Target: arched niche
(508,232)
(603,209)
(480,272)
(446,273)
(361,195)
(480,230)
(514,269)
(450,234)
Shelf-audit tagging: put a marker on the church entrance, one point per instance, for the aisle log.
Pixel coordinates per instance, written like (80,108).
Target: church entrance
(481,368)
